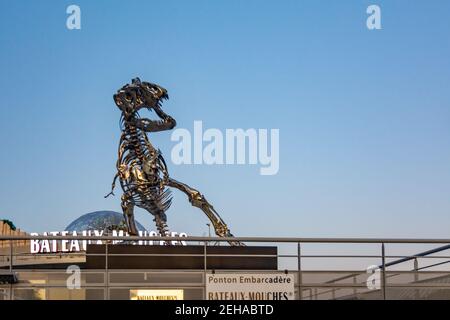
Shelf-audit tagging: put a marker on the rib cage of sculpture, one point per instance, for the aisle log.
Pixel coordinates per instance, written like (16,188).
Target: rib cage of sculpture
(144,181)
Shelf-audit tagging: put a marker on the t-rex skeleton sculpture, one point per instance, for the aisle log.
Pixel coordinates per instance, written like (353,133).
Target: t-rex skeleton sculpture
(141,169)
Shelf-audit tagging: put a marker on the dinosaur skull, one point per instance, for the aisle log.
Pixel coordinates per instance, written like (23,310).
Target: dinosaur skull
(137,95)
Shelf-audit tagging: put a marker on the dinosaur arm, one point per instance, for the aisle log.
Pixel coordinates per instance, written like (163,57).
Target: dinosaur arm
(113,185)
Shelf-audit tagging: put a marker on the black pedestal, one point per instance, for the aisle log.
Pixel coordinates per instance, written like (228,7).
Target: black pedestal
(191,257)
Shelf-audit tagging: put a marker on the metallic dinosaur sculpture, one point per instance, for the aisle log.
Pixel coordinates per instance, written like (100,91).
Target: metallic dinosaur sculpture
(141,169)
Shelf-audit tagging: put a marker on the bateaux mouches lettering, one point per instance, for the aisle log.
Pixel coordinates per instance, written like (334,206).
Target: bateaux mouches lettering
(43,245)
(250,286)
(253,295)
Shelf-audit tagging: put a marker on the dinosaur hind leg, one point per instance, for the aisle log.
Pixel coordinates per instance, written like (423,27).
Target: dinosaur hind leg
(199,201)
(128,213)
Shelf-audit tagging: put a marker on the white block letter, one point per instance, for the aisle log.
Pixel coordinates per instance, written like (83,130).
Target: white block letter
(374,20)
(74,20)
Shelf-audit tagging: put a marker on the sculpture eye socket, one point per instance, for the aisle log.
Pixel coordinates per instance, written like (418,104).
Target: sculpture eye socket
(152,89)
(128,97)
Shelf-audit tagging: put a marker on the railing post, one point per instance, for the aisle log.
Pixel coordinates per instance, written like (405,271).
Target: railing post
(383,275)
(416,269)
(416,278)
(11,244)
(204,271)
(11,251)
(106,295)
(299,276)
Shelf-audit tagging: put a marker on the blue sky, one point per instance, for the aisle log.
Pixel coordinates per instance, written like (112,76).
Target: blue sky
(363,115)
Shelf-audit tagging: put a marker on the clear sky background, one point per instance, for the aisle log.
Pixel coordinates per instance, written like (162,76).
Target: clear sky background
(364,116)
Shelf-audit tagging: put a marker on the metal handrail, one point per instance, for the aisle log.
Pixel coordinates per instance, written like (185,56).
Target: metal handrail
(204,241)
(232,239)
(418,255)
(404,259)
